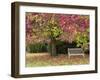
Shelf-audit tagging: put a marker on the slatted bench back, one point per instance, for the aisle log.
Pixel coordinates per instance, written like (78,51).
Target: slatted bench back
(75,51)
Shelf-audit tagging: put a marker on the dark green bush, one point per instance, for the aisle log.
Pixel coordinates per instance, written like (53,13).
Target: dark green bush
(36,48)
(61,47)
(49,48)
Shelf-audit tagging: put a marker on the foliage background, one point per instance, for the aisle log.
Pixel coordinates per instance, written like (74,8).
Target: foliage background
(56,31)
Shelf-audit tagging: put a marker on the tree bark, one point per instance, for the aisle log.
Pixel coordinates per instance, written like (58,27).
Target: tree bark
(52,47)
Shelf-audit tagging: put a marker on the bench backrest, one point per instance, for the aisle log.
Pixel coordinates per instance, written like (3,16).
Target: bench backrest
(75,50)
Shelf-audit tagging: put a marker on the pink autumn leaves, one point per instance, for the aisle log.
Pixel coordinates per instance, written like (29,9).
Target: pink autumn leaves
(71,23)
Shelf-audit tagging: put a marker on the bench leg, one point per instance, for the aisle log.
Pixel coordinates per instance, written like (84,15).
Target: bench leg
(83,55)
(68,56)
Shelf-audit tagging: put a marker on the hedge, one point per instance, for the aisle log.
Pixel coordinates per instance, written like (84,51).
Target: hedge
(61,47)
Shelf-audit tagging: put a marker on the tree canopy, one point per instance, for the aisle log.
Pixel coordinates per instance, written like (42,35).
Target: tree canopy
(42,27)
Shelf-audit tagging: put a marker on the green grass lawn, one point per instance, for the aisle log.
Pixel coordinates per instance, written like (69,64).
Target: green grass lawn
(44,59)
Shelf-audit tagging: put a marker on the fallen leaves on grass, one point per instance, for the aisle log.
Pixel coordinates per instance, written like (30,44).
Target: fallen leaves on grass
(44,59)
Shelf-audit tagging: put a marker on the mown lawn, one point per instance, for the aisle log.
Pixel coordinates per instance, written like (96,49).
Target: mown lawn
(44,59)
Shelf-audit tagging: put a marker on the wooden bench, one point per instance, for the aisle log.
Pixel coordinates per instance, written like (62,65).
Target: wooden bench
(75,52)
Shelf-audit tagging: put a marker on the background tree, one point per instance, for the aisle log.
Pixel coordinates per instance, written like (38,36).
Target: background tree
(76,28)
(43,28)
(82,40)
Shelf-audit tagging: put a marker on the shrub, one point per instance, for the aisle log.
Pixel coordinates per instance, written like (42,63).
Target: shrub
(63,46)
(36,48)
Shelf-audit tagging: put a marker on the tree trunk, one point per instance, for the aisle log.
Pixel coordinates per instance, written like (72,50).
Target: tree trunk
(52,47)
(54,52)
